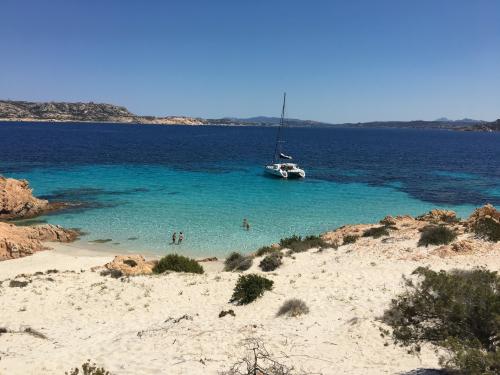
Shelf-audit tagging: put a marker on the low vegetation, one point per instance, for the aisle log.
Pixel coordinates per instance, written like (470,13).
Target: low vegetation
(350,238)
(177,263)
(376,232)
(456,310)
(271,262)
(487,228)
(436,235)
(297,244)
(250,287)
(293,307)
(266,250)
(237,262)
(88,369)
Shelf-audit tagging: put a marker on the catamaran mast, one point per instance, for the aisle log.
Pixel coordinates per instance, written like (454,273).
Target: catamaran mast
(277,149)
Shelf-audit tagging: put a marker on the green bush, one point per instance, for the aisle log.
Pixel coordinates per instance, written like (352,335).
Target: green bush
(266,250)
(436,235)
(458,311)
(271,262)
(297,244)
(88,369)
(376,232)
(293,307)
(237,262)
(350,238)
(177,263)
(250,287)
(487,228)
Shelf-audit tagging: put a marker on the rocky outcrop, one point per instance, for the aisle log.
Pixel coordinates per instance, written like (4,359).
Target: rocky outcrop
(17,242)
(438,216)
(17,200)
(486,212)
(131,265)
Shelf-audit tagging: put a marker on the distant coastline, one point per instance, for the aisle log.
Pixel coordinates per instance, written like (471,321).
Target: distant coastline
(63,112)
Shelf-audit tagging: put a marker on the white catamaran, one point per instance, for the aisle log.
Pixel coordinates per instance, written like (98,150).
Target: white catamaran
(277,168)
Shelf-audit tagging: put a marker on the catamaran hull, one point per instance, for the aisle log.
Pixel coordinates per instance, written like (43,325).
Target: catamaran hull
(298,173)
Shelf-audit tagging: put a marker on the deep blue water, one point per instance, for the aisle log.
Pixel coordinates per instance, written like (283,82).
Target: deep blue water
(148,181)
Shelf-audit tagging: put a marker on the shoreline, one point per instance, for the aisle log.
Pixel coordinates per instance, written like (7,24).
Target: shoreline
(172,320)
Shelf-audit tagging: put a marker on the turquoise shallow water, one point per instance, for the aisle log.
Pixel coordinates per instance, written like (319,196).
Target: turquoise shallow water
(145,182)
(151,202)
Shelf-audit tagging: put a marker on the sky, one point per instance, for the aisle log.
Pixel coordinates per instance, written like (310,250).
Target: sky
(338,61)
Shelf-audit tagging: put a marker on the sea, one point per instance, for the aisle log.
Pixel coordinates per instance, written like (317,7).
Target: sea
(134,185)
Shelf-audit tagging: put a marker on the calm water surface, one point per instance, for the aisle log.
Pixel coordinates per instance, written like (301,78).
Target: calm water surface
(139,184)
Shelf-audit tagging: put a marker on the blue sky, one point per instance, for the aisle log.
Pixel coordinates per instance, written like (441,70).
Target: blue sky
(339,61)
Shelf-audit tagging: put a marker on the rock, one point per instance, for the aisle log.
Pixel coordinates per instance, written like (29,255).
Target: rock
(16,242)
(210,259)
(438,216)
(398,221)
(487,211)
(485,222)
(464,246)
(17,200)
(131,265)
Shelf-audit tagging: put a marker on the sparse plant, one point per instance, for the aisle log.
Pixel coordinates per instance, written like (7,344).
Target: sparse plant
(177,263)
(266,250)
(257,361)
(237,262)
(297,244)
(376,232)
(487,228)
(271,262)
(88,368)
(456,310)
(250,287)
(350,238)
(436,235)
(18,284)
(293,307)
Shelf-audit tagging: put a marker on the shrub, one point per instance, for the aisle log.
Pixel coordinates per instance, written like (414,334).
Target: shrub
(271,262)
(237,262)
(250,287)
(350,238)
(293,307)
(436,235)
(297,244)
(18,284)
(376,232)
(487,228)
(266,250)
(88,369)
(177,263)
(456,310)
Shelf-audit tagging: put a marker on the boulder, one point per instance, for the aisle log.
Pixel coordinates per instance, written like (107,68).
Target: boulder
(17,200)
(16,242)
(131,265)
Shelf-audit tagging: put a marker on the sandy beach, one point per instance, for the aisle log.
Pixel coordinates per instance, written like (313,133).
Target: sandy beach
(170,323)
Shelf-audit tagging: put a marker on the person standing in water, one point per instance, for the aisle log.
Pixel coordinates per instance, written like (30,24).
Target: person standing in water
(181,237)
(246,225)
(174,237)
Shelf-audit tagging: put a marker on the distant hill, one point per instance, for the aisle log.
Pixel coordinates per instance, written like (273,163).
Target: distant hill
(23,111)
(82,112)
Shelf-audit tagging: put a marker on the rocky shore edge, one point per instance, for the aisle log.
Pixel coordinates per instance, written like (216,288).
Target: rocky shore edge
(17,202)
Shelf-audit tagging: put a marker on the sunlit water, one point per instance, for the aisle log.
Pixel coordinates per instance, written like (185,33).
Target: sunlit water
(139,184)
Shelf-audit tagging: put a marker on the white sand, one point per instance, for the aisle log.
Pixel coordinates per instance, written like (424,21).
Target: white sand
(88,316)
